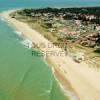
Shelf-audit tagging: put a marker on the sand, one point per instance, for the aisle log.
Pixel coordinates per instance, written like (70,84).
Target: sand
(84,80)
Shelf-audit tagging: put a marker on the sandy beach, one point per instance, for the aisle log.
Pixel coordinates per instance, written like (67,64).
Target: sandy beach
(78,77)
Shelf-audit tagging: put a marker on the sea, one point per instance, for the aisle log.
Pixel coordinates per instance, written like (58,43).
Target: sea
(22,75)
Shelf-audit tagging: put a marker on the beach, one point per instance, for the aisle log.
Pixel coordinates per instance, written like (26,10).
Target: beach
(83,80)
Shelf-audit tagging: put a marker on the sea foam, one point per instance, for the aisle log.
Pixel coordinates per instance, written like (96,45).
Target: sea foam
(18,33)
(1,18)
(27,43)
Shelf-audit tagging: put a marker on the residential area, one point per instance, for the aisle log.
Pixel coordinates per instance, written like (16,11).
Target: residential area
(78,28)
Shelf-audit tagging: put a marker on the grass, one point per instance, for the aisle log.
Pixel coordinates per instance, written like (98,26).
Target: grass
(72,47)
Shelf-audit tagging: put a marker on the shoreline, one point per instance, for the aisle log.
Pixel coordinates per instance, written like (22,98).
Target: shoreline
(62,81)
(65,66)
(67,93)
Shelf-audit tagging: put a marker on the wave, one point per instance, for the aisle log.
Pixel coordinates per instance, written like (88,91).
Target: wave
(69,94)
(18,33)
(27,43)
(2,19)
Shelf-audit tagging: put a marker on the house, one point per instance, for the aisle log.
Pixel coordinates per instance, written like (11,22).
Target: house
(51,30)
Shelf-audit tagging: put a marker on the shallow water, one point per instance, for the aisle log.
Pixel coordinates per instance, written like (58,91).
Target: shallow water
(23,76)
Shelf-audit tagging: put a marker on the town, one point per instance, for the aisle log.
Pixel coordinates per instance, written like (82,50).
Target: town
(78,28)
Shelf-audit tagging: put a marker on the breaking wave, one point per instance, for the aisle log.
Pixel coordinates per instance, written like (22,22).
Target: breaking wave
(2,19)
(27,43)
(18,33)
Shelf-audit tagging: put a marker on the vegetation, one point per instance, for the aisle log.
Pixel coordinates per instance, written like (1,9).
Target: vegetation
(70,13)
(79,28)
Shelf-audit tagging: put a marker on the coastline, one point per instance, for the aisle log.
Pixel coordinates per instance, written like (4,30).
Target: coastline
(68,70)
(69,92)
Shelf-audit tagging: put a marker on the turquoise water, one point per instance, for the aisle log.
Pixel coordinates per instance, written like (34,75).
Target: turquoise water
(23,76)
(5,4)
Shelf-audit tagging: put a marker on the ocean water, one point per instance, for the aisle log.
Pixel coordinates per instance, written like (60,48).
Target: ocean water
(23,76)
(5,4)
